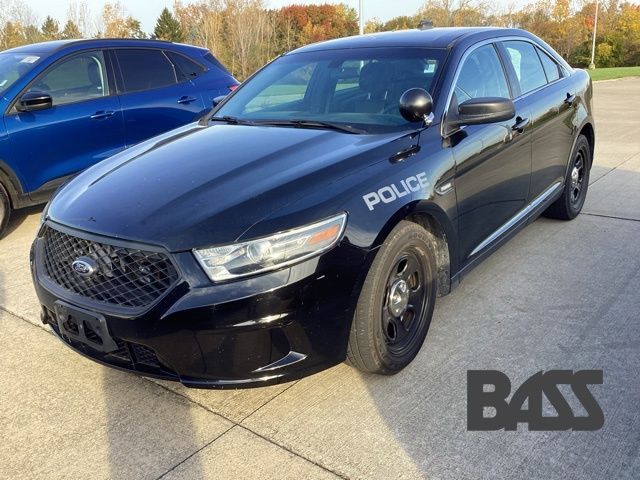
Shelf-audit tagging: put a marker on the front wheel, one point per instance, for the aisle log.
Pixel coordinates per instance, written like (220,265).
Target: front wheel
(576,183)
(396,302)
(5,210)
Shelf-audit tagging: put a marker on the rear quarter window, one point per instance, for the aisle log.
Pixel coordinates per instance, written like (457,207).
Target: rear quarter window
(210,59)
(185,67)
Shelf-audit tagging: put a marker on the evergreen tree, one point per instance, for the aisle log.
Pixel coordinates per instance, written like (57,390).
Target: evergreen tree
(168,27)
(50,29)
(71,30)
(134,28)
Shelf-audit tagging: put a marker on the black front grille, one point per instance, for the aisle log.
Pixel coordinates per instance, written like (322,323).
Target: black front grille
(136,354)
(145,355)
(126,277)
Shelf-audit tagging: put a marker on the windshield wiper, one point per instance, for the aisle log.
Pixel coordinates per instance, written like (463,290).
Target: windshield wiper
(311,124)
(229,119)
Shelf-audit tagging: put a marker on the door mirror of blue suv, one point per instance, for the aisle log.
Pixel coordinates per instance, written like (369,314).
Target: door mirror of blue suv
(32,101)
(218,99)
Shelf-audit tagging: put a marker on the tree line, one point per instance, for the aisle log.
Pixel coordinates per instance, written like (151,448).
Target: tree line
(245,34)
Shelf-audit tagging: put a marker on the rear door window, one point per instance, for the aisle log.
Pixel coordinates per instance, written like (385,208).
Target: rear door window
(526,64)
(145,69)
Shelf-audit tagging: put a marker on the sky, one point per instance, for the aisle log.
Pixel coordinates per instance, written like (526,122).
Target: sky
(147,11)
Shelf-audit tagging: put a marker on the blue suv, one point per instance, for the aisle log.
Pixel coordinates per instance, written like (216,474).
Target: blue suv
(67,105)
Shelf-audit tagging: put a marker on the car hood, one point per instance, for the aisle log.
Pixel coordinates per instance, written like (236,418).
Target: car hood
(199,186)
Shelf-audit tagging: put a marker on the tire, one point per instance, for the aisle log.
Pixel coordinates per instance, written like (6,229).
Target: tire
(576,183)
(385,337)
(5,210)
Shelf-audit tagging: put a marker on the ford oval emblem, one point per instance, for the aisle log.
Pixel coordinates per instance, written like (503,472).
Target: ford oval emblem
(84,266)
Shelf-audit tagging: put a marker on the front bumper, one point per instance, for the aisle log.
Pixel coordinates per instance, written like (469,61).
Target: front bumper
(258,331)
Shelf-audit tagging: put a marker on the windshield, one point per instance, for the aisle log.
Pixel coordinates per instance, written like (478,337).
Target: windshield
(355,87)
(13,66)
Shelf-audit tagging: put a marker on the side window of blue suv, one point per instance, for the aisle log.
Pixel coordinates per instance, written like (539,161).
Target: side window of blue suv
(145,69)
(81,77)
(185,68)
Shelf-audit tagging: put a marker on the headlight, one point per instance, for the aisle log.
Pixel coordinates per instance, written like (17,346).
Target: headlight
(269,253)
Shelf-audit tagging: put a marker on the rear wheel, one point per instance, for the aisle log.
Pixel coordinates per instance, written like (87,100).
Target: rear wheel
(396,303)
(576,183)
(5,210)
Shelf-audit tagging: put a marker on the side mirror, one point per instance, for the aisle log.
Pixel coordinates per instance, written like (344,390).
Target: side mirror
(481,110)
(218,99)
(32,101)
(416,105)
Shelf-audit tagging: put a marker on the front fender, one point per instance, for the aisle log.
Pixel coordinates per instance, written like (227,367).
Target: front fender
(381,194)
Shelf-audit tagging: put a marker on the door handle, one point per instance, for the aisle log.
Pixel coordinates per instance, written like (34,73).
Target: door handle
(186,100)
(520,124)
(569,99)
(102,114)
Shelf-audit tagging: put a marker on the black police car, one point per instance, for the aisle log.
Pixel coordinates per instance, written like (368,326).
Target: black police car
(319,210)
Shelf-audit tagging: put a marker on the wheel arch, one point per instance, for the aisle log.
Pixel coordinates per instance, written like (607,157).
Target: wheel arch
(435,220)
(11,184)
(588,131)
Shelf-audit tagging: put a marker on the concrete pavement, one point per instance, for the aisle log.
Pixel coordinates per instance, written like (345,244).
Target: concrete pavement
(560,295)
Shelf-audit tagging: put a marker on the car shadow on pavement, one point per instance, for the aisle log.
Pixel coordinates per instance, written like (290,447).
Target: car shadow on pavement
(19,216)
(148,430)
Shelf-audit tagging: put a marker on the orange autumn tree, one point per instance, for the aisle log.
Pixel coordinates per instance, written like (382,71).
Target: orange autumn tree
(298,25)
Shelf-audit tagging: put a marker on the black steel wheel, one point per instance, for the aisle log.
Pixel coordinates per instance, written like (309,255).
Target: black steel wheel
(396,302)
(404,301)
(570,203)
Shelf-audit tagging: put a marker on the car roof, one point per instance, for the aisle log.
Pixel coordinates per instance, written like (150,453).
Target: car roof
(59,45)
(442,37)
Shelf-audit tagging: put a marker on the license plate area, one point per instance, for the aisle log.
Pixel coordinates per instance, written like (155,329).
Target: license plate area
(84,326)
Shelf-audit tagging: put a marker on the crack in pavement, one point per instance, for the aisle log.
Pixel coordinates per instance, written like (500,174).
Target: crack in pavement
(195,452)
(25,319)
(244,427)
(266,439)
(614,168)
(601,215)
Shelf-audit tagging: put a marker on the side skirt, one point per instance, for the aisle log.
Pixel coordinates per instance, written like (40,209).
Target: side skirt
(516,223)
